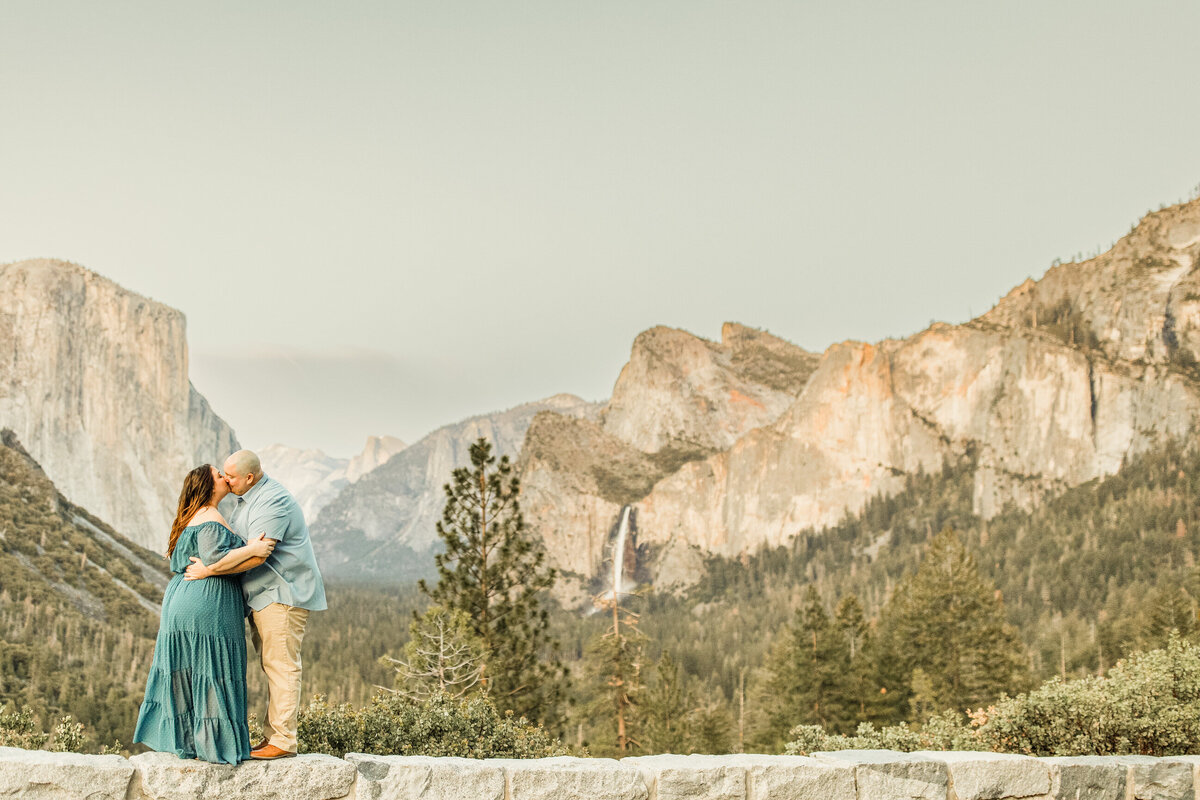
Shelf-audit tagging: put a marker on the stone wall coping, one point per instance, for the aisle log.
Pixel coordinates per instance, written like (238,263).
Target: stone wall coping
(843,775)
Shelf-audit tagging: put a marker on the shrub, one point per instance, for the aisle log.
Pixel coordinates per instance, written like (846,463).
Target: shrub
(68,736)
(945,731)
(440,726)
(21,729)
(1148,704)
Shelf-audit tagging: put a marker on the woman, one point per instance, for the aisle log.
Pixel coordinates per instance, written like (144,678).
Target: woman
(195,702)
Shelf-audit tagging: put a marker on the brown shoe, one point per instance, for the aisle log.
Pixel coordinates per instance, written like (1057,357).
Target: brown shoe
(269,753)
(261,745)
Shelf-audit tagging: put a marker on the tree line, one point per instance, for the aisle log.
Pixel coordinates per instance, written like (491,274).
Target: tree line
(912,607)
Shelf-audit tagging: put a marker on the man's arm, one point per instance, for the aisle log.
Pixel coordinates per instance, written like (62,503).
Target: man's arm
(253,554)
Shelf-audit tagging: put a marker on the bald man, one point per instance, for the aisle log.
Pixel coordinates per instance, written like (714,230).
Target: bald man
(280,593)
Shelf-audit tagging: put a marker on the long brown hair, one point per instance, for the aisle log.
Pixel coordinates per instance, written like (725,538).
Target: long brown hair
(197,491)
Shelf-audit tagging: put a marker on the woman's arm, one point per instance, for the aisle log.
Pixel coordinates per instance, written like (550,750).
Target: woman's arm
(241,559)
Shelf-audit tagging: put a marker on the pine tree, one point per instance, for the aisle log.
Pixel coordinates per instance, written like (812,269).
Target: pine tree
(665,709)
(493,571)
(807,677)
(614,662)
(948,622)
(823,658)
(709,724)
(1170,608)
(859,686)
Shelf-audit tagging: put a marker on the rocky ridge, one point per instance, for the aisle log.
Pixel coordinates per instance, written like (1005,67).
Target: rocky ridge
(680,398)
(1055,386)
(383,524)
(62,554)
(94,382)
(315,478)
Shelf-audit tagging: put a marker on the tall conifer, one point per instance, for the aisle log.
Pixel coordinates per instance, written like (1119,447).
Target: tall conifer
(493,570)
(949,623)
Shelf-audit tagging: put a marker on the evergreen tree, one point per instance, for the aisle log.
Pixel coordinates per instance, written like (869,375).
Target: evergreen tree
(806,680)
(613,661)
(493,571)
(859,690)
(709,724)
(823,662)
(1170,608)
(946,621)
(665,709)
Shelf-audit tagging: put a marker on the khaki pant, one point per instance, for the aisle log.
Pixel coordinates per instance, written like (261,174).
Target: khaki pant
(277,632)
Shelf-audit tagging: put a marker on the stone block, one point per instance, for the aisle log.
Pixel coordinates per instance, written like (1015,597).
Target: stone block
(1086,778)
(993,776)
(896,776)
(565,778)
(424,778)
(40,775)
(165,776)
(694,777)
(1158,778)
(795,778)
(1193,762)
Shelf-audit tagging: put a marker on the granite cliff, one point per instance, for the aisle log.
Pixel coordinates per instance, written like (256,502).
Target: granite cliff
(94,383)
(680,398)
(315,478)
(383,524)
(1056,385)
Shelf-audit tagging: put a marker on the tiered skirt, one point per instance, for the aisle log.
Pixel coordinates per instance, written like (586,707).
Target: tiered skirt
(195,702)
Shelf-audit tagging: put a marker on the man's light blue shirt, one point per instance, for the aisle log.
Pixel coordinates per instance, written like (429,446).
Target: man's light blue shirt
(290,574)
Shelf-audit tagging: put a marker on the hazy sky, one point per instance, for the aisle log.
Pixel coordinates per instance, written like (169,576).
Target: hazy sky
(383,217)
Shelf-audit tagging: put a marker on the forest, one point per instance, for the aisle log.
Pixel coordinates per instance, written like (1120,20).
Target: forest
(838,628)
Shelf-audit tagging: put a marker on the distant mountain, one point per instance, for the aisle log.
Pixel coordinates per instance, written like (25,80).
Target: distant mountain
(680,399)
(79,604)
(315,478)
(94,382)
(382,526)
(1061,382)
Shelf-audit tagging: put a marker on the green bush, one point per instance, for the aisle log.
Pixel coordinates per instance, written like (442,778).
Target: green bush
(944,731)
(440,726)
(21,729)
(1148,704)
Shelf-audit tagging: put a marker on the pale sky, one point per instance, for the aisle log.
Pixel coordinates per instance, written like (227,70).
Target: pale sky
(384,217)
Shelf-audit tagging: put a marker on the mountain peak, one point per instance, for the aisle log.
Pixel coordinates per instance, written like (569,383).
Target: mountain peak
(1138,302)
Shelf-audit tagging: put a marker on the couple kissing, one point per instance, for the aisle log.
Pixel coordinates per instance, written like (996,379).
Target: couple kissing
(259,565)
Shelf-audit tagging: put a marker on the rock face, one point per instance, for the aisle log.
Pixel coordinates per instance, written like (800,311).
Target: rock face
(383,525)
(1139,302)
(1038,416)
(375,453)
(575,479)
(684,393)
(75,560)
(679,398)
(94,381)
(315,478)
(1055,386)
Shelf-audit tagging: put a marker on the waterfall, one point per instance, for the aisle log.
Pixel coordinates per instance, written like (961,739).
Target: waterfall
(618,571)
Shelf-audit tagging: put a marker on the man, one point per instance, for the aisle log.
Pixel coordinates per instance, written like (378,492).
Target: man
(280,593)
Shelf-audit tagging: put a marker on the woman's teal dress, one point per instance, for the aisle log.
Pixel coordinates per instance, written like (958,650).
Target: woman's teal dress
(195,703)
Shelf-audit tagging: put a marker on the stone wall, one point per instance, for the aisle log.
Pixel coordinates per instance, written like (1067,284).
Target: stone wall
(849,775)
